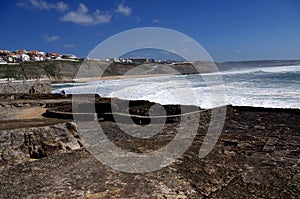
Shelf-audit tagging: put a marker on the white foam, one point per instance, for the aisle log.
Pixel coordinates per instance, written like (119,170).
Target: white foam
(192,90)
(277,69)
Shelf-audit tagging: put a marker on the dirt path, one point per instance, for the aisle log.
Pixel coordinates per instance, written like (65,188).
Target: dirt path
(31,113)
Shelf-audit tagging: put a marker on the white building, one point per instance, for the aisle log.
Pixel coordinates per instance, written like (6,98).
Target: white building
(41,53)
(2,61)
(37,58)
(24,58)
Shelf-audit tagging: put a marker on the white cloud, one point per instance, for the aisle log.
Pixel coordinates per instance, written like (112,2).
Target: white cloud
(70,46)
(237,51)
(48,38)
(125,10)
(102,17)
(61,6)
(43,5)
(156,21)
(82,16)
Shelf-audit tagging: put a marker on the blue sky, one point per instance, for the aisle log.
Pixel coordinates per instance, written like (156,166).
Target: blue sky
(228,29)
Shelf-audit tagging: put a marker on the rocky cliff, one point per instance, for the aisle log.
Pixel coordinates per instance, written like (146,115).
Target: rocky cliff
(59,70)
(67,70)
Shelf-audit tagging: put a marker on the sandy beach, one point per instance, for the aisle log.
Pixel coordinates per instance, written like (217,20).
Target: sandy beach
(115,77)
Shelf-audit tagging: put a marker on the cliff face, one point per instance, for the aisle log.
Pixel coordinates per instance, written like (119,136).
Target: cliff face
(67,70)
(33,70)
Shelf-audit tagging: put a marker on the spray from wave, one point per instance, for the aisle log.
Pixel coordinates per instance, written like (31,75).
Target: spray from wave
(276,87)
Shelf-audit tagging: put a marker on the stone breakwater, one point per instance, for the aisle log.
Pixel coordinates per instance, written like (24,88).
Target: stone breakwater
(23,86)
(256,156)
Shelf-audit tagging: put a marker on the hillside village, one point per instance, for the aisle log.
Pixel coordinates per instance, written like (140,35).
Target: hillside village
(18,56)
(15,57)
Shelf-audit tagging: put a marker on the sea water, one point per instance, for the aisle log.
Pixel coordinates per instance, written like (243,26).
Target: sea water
(277,87)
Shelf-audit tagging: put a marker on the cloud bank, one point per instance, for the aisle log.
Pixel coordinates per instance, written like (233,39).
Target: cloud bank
(43,5)
(80,16)
(124,10)
(84,17)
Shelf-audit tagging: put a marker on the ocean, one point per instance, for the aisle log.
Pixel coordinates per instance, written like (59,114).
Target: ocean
(275,87)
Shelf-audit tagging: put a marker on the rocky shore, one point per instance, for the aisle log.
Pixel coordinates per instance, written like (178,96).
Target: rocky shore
(43,156)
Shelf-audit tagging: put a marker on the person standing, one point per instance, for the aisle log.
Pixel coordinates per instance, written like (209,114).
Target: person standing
(33,89)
